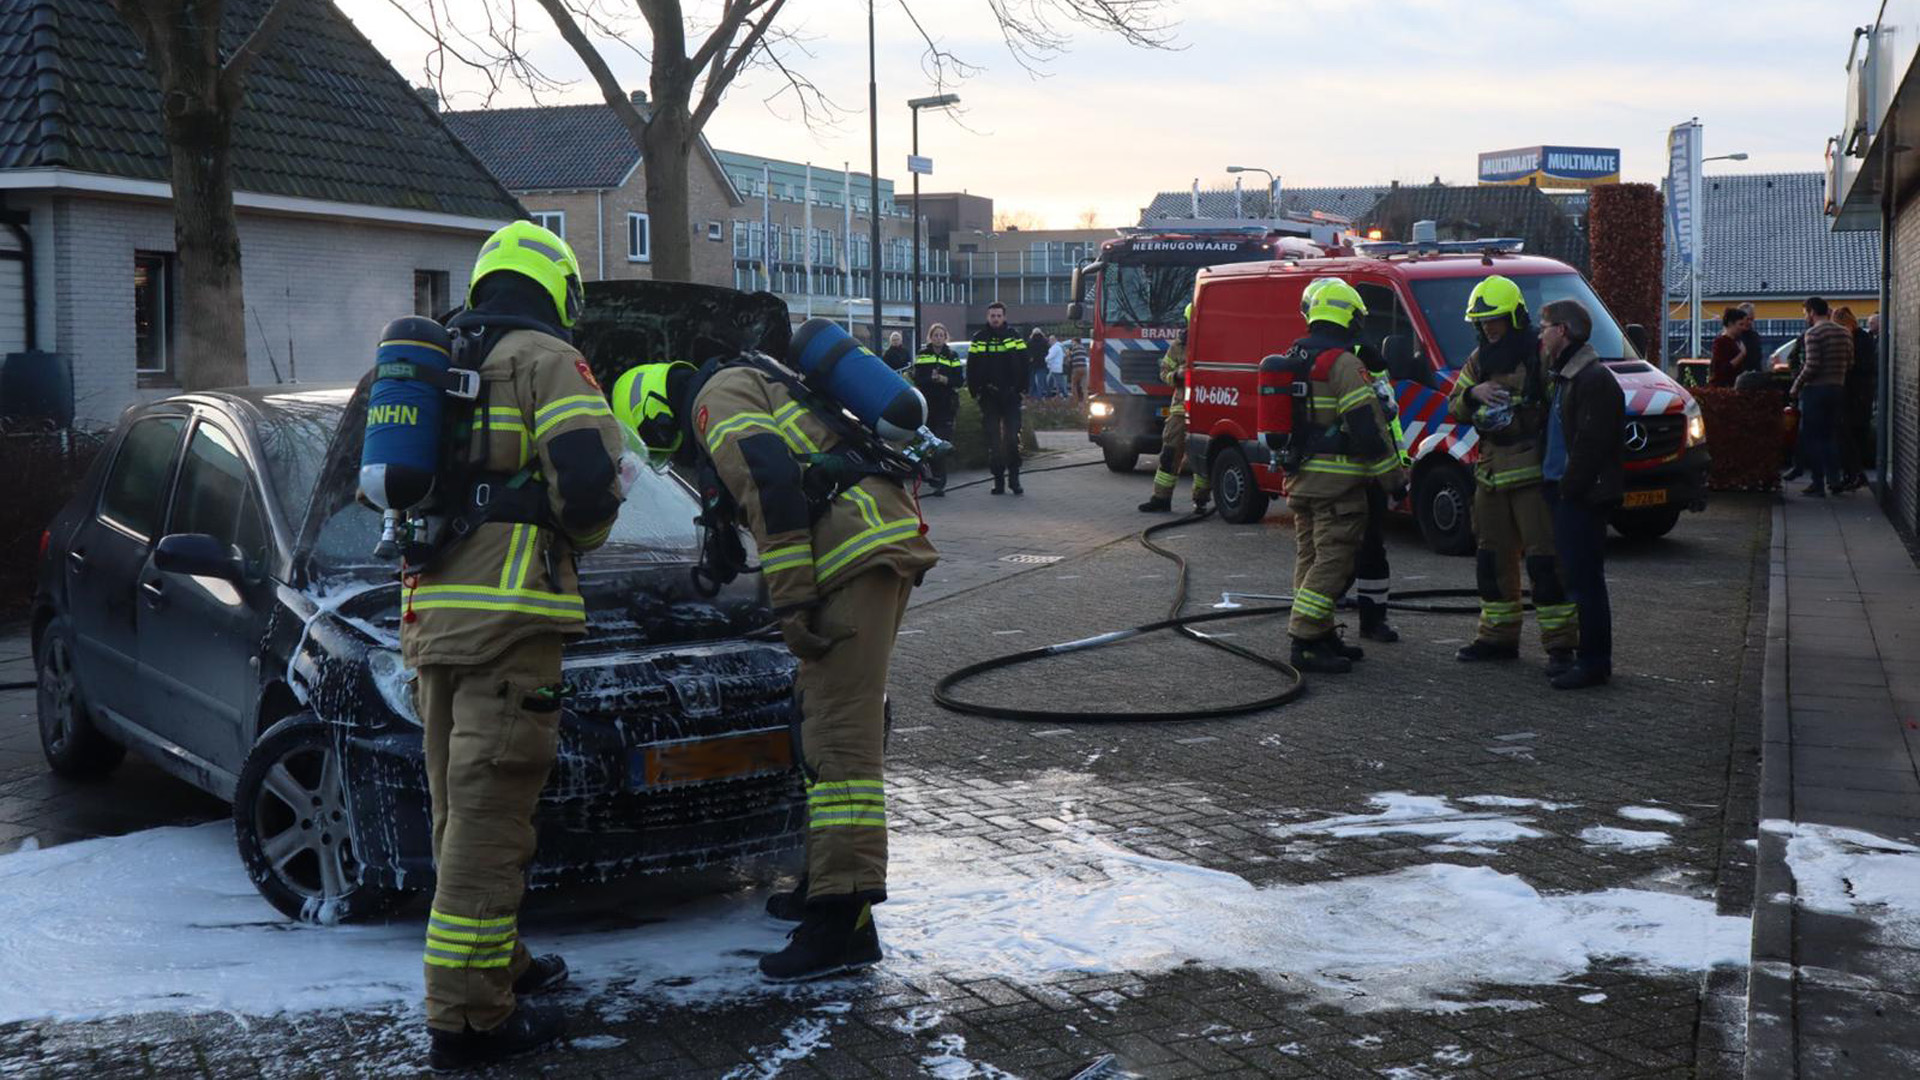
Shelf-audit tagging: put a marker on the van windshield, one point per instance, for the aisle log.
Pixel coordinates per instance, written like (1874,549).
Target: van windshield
(1444,302)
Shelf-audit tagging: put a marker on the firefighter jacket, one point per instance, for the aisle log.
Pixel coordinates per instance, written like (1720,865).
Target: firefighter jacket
(938,359)
(546,422)
(1510,456)
(997,365)
(1353,448)
(1173,372)
(760,441)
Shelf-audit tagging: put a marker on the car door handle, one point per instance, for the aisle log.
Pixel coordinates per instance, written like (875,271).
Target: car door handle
(77,560)
(156,595)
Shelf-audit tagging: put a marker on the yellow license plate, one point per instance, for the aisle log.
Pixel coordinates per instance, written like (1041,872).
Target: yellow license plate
(711,759)
(1645,498)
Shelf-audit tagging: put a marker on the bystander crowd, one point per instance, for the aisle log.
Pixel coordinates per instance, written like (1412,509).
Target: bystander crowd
(1729,349)
(1821,388)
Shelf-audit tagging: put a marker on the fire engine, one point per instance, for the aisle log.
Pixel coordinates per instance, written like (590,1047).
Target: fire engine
(1141,284)
(1416,294)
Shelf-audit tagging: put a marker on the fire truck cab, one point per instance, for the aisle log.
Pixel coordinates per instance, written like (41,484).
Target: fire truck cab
(1416,297)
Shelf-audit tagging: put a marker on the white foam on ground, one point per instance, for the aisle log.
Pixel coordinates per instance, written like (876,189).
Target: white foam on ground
(1625,839)
(1401,813)
(948,1061)
(1651,813)
(1857,873)
(802,1037)
(166,920)
(1514,803)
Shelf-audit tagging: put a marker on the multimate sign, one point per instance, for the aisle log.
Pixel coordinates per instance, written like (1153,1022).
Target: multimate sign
(1551,166)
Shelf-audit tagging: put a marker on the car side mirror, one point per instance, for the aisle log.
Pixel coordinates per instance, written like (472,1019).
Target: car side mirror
(198,555)
(1076,312)
(1637,337)
(1397,351)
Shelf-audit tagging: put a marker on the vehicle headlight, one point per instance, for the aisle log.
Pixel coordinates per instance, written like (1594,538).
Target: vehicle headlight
(394,679)
(1100,408)
(1696,425)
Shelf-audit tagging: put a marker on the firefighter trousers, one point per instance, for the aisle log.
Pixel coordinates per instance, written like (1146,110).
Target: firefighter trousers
(1173,458)
(1514,526)
(491,734)
(1326,539)
(842,698)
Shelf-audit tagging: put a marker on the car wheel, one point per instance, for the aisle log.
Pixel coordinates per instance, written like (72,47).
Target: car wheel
(1235,490)
(1645,524)
(74,748)
(293,818)
(1119,459)
(1443,504)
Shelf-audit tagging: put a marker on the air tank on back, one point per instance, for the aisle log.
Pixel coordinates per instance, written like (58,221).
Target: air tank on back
(400,453)
(831,360)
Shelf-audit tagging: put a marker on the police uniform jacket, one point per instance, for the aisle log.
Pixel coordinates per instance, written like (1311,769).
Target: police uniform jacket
(938,359)
(1344,402)
(760,440)
(997,365)
(1510,457)
(509,581)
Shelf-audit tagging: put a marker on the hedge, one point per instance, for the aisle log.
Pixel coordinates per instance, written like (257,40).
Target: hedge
(1747,436)
(1626,231)
(56,462)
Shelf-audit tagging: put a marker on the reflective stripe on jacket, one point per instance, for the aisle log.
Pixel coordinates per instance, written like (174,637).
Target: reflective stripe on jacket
(1509,458)
(513,580)
(759,438)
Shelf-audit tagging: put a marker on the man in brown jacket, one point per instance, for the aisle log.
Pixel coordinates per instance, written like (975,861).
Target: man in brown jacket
(1821,387)
(841,549)
(483,625)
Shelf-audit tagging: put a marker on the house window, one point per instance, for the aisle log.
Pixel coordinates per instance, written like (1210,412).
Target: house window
(430,293)
(639,238)
(153,313)
(554,221)
(714,232)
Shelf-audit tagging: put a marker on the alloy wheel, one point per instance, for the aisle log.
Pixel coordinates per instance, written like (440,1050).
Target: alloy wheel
(59,696)
(300,816)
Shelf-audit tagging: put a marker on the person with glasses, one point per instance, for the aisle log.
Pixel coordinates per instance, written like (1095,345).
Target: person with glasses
(1583,475)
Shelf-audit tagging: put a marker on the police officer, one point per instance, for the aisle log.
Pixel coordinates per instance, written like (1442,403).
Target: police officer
(483,626)
(1503,392)
(939,375)
(839,568)
(1347,448)
(1173,434)
(997,375)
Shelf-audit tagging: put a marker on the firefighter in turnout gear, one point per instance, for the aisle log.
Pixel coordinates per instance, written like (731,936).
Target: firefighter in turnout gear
(483,625)
(841,551)
(1347,449)
(1173,434)
(1373,576)
(1503,392)
(938,374)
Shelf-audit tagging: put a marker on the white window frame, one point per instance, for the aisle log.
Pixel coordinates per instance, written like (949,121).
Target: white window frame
(645,224)
(161,280)
(547,219)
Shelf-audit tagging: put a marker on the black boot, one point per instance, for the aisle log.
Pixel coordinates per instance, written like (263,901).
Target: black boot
(1559,662)
(1201,500)
(999,484)
(546,973)
(1486,650)
(530,1028)
(1374,625)
(790,906)
(1581,676)
(1159,504)
(836,935)
(1013,482)
(1338,643)
(1320,656)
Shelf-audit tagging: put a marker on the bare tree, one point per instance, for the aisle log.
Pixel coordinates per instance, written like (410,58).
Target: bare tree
(1089,218)
(202,88)
(1015,220)
(691,68)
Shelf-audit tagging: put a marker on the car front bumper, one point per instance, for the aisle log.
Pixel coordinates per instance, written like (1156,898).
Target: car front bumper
(1679,483)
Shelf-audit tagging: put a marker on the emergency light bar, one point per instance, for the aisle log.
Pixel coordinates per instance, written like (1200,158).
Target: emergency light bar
(1497,245)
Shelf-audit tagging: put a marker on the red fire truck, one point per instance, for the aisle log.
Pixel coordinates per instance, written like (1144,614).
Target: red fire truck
(1416,297)
(1141,285)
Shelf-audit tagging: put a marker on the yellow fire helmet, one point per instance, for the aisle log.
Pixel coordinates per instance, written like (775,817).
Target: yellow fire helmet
(1313,288)
(643,407)
(1334,301)
(535,253)
(1496,296)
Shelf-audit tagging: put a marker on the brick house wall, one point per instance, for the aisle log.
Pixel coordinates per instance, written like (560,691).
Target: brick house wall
(596,225)
(1903,384)
(317,291)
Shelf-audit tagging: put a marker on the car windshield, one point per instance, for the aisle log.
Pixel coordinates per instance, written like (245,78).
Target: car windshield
(295,429)
(1444,302)
(1154,294)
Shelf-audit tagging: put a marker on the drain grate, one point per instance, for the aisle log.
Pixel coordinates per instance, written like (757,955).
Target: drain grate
(1036,560)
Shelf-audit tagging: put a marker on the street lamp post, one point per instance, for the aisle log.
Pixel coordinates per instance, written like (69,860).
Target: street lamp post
(938,101)
(1693,278)
(1273,186)
(873,131)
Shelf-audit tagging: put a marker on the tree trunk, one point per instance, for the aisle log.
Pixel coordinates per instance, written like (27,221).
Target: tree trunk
(210,348)
(666,150)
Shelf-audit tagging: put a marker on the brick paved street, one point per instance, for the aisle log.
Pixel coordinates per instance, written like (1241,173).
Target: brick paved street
(1507,789)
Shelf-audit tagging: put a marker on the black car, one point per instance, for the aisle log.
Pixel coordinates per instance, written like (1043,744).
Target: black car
(210,600)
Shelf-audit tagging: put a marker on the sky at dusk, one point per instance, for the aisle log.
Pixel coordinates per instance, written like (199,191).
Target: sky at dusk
(1318,91)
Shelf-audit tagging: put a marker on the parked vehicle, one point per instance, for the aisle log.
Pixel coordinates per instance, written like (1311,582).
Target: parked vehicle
(209,600)
(1415,296)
